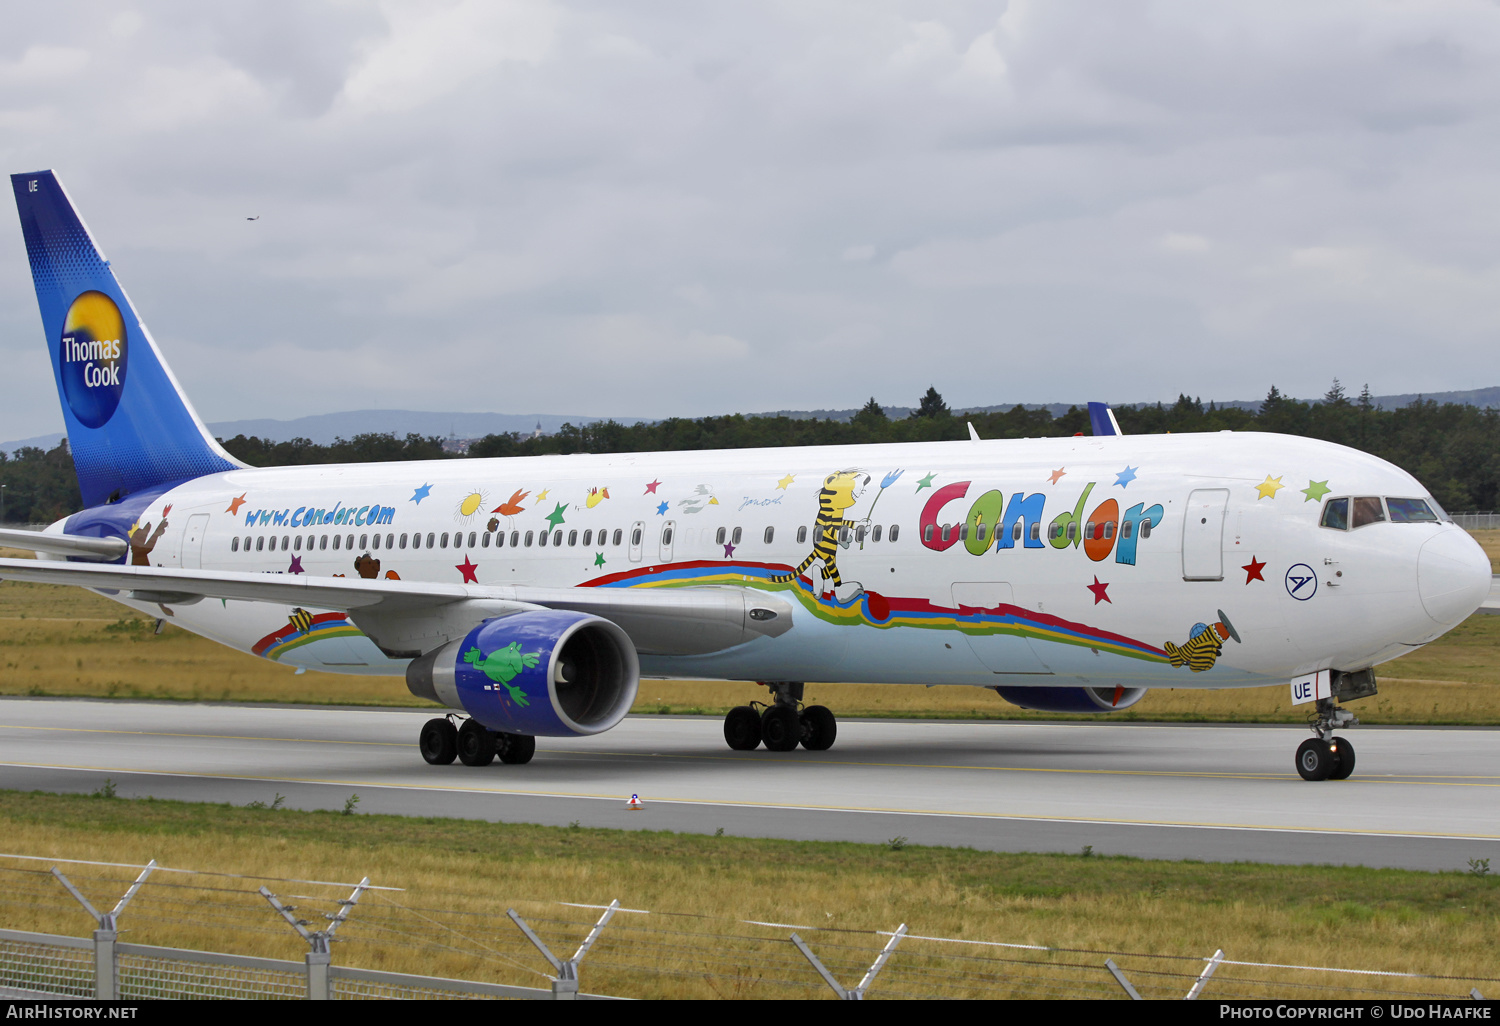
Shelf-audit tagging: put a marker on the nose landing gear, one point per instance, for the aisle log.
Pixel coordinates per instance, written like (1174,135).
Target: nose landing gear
(783,725)
(1326,757)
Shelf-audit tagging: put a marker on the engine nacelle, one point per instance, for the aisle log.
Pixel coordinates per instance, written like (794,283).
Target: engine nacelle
(1071,700)
(544,672)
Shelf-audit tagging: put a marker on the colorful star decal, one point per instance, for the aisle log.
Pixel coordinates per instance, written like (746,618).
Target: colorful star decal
(556,516)
(420,494)
(1100,594)
(1057,475)
(467,568)
(661,510)
(236,503)
(651,487)
(728,550)
(542,495)
(1269,487)
(1124,477)
(1253,569)
(1315,490)
(784,482)
(598,559)
(925,482)
(296,567)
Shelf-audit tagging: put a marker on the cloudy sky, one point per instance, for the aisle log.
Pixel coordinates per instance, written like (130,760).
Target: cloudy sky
(687,208)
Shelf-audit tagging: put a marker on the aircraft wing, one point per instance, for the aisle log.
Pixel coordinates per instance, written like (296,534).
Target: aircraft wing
(408,618)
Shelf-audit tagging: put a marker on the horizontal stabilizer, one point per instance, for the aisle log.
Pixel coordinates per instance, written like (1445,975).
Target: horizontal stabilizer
(103,549)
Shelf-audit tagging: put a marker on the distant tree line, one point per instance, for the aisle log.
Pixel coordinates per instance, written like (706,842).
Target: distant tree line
(1454,450)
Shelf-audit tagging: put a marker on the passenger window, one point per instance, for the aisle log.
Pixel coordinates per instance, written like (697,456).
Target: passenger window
(376,541)
(619,535)
(895,532)
(515,538)
(363,539)
(801,535)
(1054,531)
(541,538)
(349,542)
(1368,510)
(234,544)
(1088,531)
(963,532)
(734,539)
(390,541)
(719,537)
(1109,529)
(635,536)
(1015,532)
(1073,531)
(416,541)
(443,540)
(666,535)
(1410,511)
(473,537)
(1127,529)
(875,534)
(588,538)
(260,543)
(927,532)
(557,538)
(572,537)
(528,539)
(770,534)
(1145,528)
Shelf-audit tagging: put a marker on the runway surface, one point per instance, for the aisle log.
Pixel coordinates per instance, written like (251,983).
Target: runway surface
(1420,798)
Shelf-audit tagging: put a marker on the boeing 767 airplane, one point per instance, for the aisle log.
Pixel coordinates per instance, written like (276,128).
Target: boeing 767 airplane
(530,595)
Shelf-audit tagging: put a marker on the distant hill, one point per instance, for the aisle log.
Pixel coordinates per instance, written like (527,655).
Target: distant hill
(323,428)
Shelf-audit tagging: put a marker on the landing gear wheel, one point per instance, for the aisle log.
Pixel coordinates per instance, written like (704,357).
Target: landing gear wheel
(819,728)
(781,728)
(476,745)
(1344,757)
(1315,760)
(438,742)
(742,729)
(516,749)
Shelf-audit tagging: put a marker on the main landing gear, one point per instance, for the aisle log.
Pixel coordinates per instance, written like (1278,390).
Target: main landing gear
(1326,757)
(782,725)
(472,744)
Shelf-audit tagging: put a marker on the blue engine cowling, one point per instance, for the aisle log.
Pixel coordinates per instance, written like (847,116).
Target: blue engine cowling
(1071,700)
(544,672)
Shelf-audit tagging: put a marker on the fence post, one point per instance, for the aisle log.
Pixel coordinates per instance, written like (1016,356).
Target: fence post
(857,993)
(1119,976)
(106,968)
(565,983)
(319,959)
(1208,971)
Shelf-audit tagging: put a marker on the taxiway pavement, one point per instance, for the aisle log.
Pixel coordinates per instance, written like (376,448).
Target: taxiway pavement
(1421,798)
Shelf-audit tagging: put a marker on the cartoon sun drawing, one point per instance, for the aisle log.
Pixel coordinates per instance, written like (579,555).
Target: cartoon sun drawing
(469,505)
(840,491)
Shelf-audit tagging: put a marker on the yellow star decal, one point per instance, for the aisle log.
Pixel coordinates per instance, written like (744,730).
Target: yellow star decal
(712,501)
(543,494)
(786,481)
(1269,487)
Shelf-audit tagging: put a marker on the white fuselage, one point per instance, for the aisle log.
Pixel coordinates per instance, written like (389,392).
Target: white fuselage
(1236,540)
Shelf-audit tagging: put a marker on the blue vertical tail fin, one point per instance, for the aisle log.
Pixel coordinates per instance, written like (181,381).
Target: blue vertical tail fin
(129,425)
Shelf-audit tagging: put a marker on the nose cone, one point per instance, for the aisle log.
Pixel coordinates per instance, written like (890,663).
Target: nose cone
(1453,576)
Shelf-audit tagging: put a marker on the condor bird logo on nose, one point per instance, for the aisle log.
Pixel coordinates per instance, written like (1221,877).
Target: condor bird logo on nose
(1301,582)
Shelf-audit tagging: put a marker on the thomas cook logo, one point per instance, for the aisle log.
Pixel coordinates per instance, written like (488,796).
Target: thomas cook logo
(93,351)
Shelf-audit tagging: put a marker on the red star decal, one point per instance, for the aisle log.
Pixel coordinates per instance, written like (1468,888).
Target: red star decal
(1056,474)
(651,487)
(235,504)
(467,569)
(1100,595)
(1253,569)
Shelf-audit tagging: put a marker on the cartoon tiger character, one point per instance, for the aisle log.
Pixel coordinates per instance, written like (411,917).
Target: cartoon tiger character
(841,490)
(1201,651)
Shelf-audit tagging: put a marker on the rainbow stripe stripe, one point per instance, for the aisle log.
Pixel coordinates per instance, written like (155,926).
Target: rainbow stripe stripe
(324,625)
(871,609)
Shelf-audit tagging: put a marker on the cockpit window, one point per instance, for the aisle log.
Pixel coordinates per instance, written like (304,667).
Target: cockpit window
(1410,511)
(1368,510)
(1336,514)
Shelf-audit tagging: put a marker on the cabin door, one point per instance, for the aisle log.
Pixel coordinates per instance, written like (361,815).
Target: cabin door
(1203,535)
(191,555)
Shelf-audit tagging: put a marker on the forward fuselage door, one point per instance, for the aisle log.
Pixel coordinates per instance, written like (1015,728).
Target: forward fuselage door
(1203,535)
(191,555)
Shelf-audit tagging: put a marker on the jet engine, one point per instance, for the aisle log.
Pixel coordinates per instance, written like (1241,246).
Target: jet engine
(1071,700)
(543,672)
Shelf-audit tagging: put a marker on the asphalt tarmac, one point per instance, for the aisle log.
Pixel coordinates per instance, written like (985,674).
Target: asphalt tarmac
(1420,798)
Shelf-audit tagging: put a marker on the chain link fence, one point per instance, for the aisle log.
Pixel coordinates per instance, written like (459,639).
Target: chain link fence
(366,941)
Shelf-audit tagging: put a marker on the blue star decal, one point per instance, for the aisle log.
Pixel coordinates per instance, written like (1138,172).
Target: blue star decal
(661,510)
(420,494)
(1126,476)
